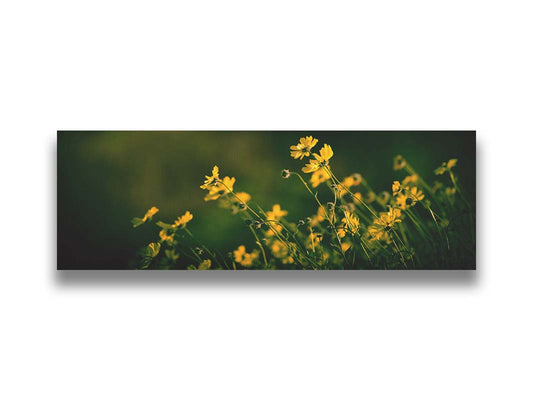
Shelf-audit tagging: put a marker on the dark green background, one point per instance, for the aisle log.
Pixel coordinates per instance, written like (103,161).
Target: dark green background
(106,178)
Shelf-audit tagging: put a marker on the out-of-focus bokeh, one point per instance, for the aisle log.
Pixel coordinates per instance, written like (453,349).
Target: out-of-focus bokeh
(106,178)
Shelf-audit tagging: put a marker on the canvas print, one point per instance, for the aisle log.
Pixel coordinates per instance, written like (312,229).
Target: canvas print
(266,200)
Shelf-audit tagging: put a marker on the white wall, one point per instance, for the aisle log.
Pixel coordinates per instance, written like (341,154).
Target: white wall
(265,65)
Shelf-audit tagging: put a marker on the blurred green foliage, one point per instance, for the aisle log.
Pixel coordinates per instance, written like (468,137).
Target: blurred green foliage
(106,178)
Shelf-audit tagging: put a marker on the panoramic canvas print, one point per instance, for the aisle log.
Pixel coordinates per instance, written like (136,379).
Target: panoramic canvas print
(266,200)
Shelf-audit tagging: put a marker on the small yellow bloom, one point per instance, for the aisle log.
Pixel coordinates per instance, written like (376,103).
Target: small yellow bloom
(451,163)
(446,166)
(409,198)
(318,177)
(383,198)
(351,221)
(398,163)
(416,194)
(316,219)
(236,203)
(450,194)
(370,197)
(166,237)
(220,188)
(149,214)
(280,251)
(182,221)
(350,224)
(326,152)
(313,166)
(243,197)
(410,180)
(349,182)
(382,225)
(277,213)
(396,188)
(321,160)
(204,265)
(303,149)
(449,191)
(313,240)
(210,179)
(272,229)
(401,200)
(244,258)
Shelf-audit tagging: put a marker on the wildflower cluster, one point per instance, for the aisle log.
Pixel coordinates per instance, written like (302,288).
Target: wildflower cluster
(414,225)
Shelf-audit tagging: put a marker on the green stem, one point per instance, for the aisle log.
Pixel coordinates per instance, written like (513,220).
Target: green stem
(338,182)
(260,245)
(326,214)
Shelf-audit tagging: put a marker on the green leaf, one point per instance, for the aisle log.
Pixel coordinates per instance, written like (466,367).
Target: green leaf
(137,222)
(148,253)
(163,225)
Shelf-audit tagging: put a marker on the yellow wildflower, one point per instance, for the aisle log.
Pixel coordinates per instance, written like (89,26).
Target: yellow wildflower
(313,240)
(303,149)
(446,166)
(416,194)
(449,191)
(321,160)
(210,179)
(236,203)
(450,194)
(182,221)
(349,182)
(398,163)
(383,198)
(410,180)
(166,237)
(316,219)
(277,213)
(370,197)
(273,228)
(409,198)
(358,196)
(351,221)
(204,265)
(220,188)
(149,214)
(382,225)
(244,258)
(396,188)
(318,177)
(401,201)
(280,251)
(350,224)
